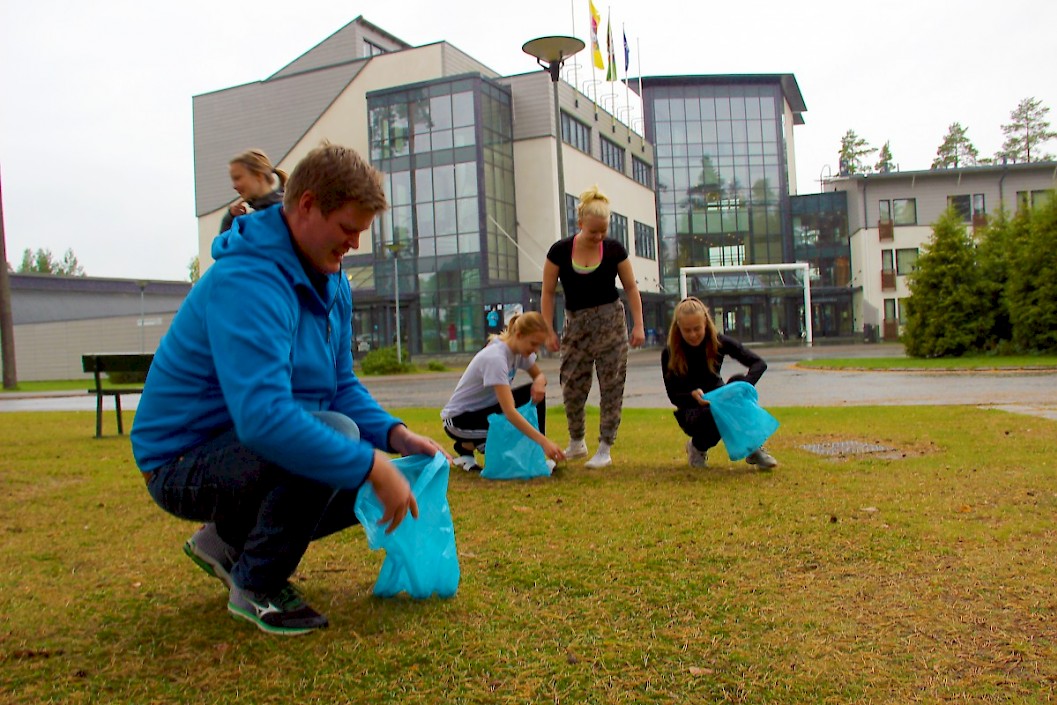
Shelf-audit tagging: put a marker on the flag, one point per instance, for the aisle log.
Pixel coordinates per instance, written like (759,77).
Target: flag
(611,72)
(627,54)
(595,49)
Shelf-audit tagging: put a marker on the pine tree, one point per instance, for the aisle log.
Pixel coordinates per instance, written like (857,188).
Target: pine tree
(1032,291)
(956,149)
(943,311)
(1027,130)
(852,149)
(884,160)
(994,256)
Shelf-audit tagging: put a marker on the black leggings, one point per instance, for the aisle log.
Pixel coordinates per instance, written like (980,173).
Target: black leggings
(700,426)
(472,426)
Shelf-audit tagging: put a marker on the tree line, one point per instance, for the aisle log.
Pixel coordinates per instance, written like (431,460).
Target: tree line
(994,294)
(1025,133)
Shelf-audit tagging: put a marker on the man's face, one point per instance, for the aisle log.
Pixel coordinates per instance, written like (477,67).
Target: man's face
(326,240)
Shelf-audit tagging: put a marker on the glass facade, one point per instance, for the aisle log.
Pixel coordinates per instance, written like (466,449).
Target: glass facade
(722,193)
(446,150)
(820,238)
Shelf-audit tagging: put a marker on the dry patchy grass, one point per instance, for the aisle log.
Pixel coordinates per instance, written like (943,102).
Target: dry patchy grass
(923,578)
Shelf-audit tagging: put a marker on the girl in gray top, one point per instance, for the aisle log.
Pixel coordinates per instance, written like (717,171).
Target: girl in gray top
(484,389)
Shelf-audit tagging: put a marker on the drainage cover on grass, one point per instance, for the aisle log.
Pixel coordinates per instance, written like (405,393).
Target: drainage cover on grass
(846,448)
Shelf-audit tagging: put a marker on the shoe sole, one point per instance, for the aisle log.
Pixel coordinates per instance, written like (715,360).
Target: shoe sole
(761,466)
(595,466)
(210,568)
(574,456)
(268,628)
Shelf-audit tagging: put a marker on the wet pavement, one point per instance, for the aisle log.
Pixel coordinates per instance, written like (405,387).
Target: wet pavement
(784,384)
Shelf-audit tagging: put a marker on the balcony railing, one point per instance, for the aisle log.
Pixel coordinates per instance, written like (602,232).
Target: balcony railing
(885,230)
(888,281)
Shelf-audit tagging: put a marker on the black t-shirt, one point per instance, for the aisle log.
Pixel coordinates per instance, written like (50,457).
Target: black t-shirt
(590,289)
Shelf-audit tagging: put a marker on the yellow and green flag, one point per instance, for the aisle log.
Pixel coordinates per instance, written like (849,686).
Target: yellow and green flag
(595,49)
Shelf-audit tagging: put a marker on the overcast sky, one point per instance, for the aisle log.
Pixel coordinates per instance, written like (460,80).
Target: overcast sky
(95,97)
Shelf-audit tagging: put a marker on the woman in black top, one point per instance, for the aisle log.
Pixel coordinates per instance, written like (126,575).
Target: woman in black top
(258,183)
(595,334)
(691,367)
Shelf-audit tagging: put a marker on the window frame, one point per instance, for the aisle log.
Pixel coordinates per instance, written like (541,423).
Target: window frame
(578,134)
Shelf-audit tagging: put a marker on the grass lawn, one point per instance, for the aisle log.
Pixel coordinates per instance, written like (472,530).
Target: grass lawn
(925,574)
(966,363)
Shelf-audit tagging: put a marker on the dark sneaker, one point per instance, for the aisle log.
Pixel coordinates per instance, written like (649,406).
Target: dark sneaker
(211,554)
(282,613)
(696,458)
(762,459)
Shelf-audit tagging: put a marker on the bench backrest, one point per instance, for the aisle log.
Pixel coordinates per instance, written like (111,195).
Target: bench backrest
(101,363)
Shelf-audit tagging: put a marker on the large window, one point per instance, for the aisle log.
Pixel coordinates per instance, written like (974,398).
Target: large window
(1031,199)
(618,228)
(906,260)
(576,133)
(967,206)
(642,172)
(900,211)
(612,155)
(645,241)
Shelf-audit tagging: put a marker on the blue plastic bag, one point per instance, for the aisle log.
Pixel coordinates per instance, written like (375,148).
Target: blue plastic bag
(742,423)
(508,453)
(420,555)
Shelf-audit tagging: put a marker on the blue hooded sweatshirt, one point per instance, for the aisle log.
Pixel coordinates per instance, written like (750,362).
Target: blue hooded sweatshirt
(255,347)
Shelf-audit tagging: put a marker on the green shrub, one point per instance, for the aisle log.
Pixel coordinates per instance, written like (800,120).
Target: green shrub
(436,366)
(382,361)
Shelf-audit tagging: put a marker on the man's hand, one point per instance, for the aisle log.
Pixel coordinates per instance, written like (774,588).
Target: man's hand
(393,492)
(404,442)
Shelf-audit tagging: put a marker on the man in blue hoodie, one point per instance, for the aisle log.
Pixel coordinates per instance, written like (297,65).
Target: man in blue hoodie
(252,419)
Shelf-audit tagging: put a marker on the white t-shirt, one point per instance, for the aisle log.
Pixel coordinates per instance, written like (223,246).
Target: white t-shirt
(496,364)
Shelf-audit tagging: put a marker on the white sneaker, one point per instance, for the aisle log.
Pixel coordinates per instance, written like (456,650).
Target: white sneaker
(577,449)
(761,459)
(696,458)
(551,464)
(467,463)
(601,458)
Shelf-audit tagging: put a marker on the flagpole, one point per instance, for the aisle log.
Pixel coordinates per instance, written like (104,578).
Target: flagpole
(642,99)
(595,51)
(612,57)
(576,73)
(627,90)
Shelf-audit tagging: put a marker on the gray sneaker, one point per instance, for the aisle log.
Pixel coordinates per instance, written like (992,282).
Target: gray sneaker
(283,612)
(577,449)
(762,459)
(211,554)
(696,458)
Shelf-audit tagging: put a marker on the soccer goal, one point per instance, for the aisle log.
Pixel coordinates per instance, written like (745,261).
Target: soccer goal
(747,270)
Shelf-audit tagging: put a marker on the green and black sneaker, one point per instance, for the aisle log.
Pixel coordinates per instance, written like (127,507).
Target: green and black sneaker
(283,612)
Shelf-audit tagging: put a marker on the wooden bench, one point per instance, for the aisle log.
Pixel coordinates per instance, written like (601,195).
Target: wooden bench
(102,363)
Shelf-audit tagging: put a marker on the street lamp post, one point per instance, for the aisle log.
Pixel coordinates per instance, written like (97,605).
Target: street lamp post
(551,53)
(395,247)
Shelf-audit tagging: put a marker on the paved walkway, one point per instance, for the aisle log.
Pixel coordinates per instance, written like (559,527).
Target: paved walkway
(784,384)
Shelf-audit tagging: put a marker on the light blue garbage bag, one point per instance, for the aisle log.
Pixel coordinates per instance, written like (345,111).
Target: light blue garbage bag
(508,453)
(743,424)
(420,555)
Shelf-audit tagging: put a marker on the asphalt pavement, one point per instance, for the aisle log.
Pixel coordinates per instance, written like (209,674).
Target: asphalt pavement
(784,384)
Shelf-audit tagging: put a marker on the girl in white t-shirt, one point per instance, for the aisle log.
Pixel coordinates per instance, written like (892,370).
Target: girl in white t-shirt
(485,389)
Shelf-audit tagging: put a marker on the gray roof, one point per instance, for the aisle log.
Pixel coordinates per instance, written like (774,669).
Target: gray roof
(44,298)
(225,123)
(338,48)
(953,171)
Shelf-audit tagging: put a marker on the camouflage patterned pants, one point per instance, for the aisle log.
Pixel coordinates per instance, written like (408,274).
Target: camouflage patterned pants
(594,339)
